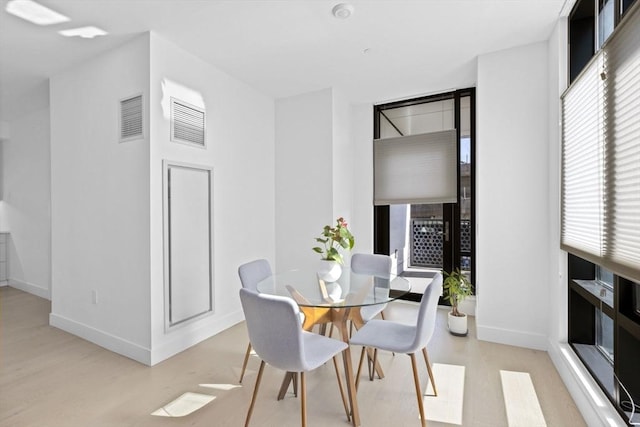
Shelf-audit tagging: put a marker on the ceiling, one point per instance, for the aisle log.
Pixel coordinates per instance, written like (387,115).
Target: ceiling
(386,50)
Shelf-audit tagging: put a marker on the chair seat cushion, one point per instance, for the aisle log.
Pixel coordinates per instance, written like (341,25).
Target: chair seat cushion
(318,349)
(386,335)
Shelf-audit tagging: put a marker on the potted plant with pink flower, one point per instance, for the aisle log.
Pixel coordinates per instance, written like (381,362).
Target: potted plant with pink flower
(333,239)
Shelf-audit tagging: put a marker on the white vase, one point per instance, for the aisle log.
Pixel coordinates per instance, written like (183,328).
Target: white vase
(458,325)
(329,271)
(334,291)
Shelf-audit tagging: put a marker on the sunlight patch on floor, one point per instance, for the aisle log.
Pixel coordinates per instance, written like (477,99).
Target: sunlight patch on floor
(520,400)
(225,387)
(446,407)
(184,405)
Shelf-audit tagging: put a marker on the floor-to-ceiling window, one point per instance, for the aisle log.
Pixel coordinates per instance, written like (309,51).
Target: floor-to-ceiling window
(601,198)
(429,237)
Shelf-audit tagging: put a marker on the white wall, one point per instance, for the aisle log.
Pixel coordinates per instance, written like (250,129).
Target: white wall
(100,203)
(304,176)
(557,72)
(343,156)
(240,148)
(26,202)
(4,136)
(512,197)
(108,196)
(362,139)
(5,130)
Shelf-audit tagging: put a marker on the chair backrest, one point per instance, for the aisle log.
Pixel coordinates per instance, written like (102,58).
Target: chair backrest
(253,272)
(427,313)
(274,329)
(375,264)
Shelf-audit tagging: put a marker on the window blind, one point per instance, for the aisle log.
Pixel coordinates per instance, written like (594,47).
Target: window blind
(416,169)
(601,156)
(582,164)
(622,171)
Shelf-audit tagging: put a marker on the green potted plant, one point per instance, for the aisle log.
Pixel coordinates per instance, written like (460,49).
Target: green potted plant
(333,239)
(457,287)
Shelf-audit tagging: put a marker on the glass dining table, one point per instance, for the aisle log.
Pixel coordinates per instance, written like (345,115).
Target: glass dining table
(337,302)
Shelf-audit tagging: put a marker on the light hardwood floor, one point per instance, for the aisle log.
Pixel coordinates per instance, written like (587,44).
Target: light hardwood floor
(51,378)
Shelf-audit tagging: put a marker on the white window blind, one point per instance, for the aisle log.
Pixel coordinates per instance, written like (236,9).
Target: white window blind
(601,156)
(582,164)
(416,169)
(622,121)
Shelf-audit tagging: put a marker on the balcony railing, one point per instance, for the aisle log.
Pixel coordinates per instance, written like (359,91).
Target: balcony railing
(426,241)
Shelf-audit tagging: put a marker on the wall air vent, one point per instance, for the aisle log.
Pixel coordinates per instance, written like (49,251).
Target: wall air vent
(187,123)
(131,122)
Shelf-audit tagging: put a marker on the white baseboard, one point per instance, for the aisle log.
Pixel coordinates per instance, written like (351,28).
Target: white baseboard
(31,288)
(176,342)
(512,337)
(181,339)
(595,407)
(4,283)
(101,338)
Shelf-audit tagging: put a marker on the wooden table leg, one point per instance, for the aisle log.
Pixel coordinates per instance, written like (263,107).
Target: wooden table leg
(340,320)
(288,377)
(312,316)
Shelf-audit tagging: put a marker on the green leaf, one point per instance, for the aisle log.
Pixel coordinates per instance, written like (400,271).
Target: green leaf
(457,287)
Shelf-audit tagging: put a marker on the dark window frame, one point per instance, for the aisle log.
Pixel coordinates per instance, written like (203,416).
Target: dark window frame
(451,211)
(583,32)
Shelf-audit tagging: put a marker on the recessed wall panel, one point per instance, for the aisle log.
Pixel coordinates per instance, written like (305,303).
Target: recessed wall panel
(188,255)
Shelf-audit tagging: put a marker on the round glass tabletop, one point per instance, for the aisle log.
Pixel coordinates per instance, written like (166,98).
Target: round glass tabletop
(350,290)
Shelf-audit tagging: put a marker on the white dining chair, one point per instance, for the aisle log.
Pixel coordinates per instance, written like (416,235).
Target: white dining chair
(378,266)
(252,273)
(279,340)
(402,338)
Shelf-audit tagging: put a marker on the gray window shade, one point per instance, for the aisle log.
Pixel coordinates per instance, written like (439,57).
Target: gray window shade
(416,169)
(622,121)
(601,156)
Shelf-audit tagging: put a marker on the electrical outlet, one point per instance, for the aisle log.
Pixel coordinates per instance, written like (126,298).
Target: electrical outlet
(94,297)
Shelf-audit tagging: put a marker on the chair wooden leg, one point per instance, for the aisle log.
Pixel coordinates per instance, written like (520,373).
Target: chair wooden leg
(372,364)
(360,367)
(255,393)
(344,398)
(295,384)
(303,399)
(426,360)
(244,364)
(416,380)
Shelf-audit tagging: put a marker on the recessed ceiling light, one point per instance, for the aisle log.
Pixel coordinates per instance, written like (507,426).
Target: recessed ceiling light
(34,12)
(342,10)
(84,32)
